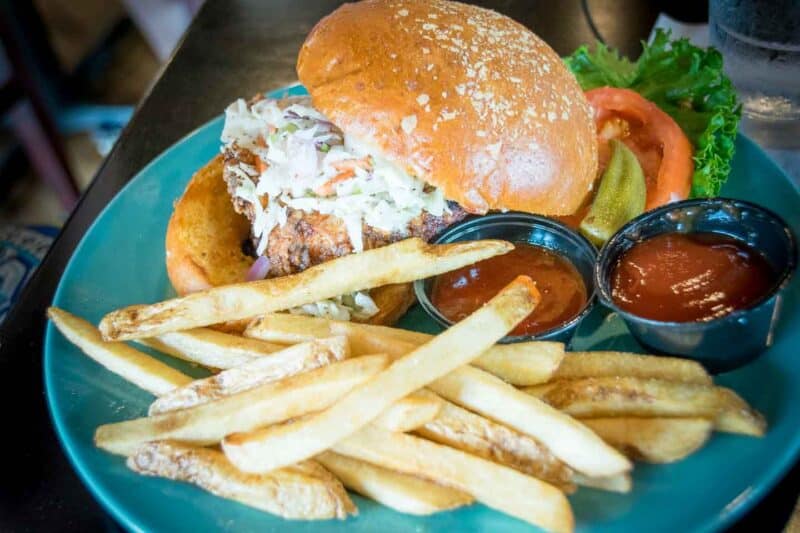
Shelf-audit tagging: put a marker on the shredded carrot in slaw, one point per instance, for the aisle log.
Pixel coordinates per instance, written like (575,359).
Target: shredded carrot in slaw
(347,169)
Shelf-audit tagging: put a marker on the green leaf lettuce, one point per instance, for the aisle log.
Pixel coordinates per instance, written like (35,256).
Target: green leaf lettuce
(686,82)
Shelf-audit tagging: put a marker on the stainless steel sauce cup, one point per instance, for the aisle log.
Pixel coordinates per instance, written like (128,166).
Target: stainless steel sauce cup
(523,228)
(732,340)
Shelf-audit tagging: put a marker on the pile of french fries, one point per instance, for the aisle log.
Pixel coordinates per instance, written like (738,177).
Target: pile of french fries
(297,408)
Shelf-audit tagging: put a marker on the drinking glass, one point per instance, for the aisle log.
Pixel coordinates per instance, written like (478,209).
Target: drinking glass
(760,43)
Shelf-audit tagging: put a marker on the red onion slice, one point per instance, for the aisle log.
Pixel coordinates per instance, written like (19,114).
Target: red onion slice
(259,269)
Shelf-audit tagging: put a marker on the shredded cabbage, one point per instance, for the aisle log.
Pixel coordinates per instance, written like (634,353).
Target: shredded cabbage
(357,305)
(310,165)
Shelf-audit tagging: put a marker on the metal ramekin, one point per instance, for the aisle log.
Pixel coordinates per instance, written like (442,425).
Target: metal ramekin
(723,343)
(523,228)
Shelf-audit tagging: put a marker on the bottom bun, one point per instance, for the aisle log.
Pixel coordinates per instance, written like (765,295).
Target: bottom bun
(204,246)
(393,301)
(205,235)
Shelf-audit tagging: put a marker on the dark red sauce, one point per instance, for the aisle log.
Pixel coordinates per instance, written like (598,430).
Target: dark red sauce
(458,293)
(692,277)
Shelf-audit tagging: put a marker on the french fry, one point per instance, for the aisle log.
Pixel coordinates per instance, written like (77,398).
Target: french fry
(305,492)
(406,414)
(626,396)
(401,492)
(621,483)
(737,416)
(211,348)
(400,262)
(466,431)
(566,438)
(654,440)
(286,328)
(577,365)
(266,404)
(289,329)
(277,365)
(499,487)
(274,447)
(524,363)
(142,370)
(410,413)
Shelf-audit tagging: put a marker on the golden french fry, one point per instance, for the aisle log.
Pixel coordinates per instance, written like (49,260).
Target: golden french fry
(305,492)
(466,431)
(626,396)
(406,414)
(278,365)
(577,365)
(266,404)
(621,483)
(211,348)
(566,438)
(737,416)
(525,363)
(286,328)
(274,447)
(654,440)
(400,262)
(410,413)
(290,329)
(522,363)
(142,370)
(499,487)
(401,492)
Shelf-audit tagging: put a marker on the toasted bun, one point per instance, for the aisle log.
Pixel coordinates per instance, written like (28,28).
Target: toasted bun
(205,234)
(462,97)
(204,245)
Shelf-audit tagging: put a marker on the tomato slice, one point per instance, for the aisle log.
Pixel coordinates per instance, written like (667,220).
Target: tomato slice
(663,150)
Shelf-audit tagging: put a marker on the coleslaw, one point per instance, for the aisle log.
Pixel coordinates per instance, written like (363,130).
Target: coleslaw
(307,163)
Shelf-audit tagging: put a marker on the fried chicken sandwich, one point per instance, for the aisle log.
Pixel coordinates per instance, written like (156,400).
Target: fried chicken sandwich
(419,113)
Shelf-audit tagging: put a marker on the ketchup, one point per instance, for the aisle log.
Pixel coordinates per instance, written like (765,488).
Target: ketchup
(460,292)
(694,277)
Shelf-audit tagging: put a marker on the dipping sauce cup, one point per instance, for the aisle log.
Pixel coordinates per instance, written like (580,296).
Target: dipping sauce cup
(522,228)
(725,342)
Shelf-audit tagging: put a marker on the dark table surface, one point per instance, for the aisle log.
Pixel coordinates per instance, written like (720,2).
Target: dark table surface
(233,48)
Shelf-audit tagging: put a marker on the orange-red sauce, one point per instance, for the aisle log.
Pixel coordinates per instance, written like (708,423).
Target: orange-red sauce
(458,293)
(693,277)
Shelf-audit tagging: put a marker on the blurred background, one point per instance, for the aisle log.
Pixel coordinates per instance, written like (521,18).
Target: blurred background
(71,73)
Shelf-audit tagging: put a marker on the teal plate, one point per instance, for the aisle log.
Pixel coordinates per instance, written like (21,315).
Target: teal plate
(120,261)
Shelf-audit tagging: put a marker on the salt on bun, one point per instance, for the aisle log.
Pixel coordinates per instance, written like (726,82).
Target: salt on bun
(461,97)
(204,245)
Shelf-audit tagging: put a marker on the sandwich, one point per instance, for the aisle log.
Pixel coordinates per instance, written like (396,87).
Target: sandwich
(419,114)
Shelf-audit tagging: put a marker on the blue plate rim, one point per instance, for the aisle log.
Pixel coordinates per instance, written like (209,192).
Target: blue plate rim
(746,500)
(106,501)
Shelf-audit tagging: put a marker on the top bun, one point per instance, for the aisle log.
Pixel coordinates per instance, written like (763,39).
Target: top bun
(460,96)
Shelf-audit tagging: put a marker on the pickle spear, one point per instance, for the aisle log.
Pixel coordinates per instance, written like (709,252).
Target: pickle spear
(620,197)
